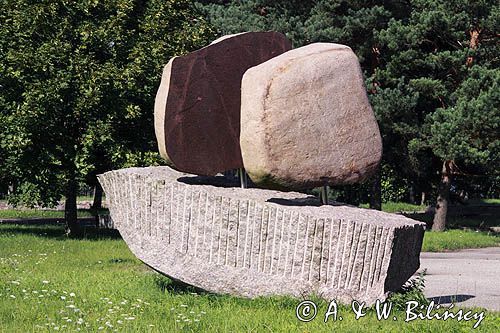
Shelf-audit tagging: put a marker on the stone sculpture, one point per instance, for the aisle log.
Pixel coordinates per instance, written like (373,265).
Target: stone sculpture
(305,121)
(255,242)
(197,107)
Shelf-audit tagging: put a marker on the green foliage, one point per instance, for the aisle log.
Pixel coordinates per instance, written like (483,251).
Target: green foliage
(260,15)
(426,55)
(78,83)
(393,189)
(413,290)
(469,130)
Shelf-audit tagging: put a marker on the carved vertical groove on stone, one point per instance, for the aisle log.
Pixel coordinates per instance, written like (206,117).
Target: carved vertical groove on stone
(244,234)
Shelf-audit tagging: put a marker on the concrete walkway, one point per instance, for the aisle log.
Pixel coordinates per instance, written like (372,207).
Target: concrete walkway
(467,278)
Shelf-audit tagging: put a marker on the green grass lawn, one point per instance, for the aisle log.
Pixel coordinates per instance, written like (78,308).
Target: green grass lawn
(51,283)
(456,239)
(396,207)
(38,213)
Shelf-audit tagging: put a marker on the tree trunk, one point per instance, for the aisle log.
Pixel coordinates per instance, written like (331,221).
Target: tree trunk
(97,203)
(413,200)
(73,228)
(473,44)
(376,191)
(422,199)
(439,221)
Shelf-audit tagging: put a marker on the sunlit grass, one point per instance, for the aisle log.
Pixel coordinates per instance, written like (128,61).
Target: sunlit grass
(38,213)
(396,207)
(51,283)
(458,239)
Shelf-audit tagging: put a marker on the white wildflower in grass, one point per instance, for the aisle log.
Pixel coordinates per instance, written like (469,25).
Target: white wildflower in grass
(24,290)
(184,305)
(196,320)
(72,294)
(151,325)
(63,297)
(172,309)
(119,321)
(177,320)
(129,318)
(15,282)
(12,296)
(35,292)
(191,311)
(45,282)
(80,321)
(100,328)
(71,306)
(203,312)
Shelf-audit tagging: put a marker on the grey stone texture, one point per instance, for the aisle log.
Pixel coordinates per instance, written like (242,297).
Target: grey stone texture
(306,120)
(255,242)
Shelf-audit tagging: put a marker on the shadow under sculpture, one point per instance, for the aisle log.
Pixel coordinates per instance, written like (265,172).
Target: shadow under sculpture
(245,241)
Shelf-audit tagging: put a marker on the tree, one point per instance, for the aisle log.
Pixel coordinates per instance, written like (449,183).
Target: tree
(432,55)
(78,84)
(467,132)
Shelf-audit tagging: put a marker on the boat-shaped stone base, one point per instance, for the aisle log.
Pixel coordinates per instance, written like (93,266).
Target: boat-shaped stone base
(255,242)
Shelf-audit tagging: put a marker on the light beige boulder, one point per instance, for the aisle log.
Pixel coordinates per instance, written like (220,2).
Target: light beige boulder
(306,120)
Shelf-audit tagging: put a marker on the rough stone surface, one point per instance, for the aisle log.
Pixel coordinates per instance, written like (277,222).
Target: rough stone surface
(306,120)
(197,107)
(254,242)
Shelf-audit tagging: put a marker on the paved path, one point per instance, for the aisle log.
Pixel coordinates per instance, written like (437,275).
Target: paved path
(467,277)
